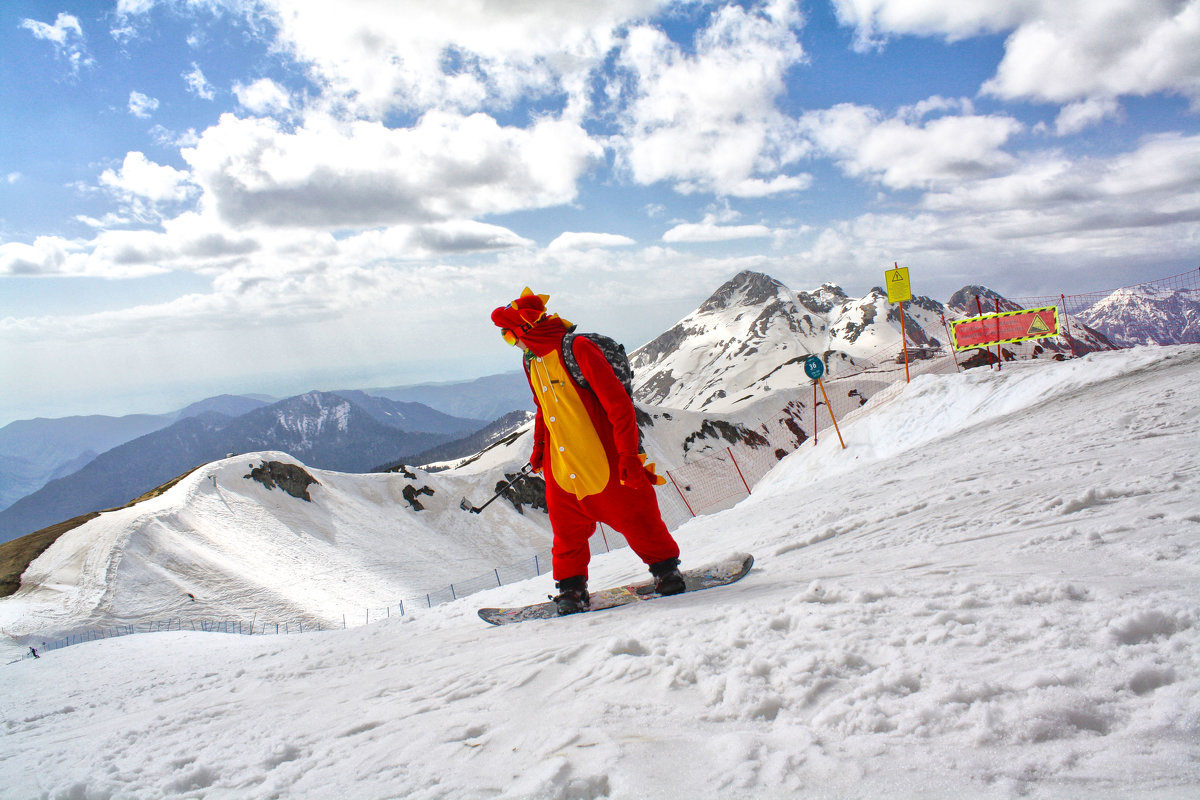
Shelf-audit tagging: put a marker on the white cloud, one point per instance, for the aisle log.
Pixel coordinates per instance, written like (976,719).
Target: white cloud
(1078,49)
(875,20)
(264,96)
(46,256)
(455,54)
(903,153)
(1157,183)
(65,28)
(141,105)
(587,241)
(54,255)
(66,34)
(198,84)
(12,177)
(708,120)
(713,232)
(327,174)
(412,242)
(1075,117)
(143,179)
(1058,51)
(758,187)
(1048,213)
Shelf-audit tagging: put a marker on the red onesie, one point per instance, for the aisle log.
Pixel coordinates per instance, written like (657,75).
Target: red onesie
(581,436)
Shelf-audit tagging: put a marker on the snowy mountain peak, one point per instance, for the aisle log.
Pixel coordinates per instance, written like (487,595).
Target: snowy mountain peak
(824,298)
(1147,315)
(753,335)
(744,289)
(743,332)
(312,415)
(964,300)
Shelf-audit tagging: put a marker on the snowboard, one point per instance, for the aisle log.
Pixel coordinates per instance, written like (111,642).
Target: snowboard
(719,573)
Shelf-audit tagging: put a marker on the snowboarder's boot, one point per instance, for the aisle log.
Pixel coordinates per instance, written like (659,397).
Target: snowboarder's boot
(574,595)
(667,577)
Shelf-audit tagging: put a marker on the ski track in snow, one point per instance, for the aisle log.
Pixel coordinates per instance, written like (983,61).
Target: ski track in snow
(992,592)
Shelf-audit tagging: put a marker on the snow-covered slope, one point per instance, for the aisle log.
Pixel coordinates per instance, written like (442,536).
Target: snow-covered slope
(245,551)
(992,592)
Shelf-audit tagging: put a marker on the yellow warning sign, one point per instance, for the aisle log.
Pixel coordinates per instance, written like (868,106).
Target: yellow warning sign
(1038,327)
(898,288)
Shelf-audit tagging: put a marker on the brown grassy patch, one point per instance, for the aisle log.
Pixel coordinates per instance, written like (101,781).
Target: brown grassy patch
(17,555)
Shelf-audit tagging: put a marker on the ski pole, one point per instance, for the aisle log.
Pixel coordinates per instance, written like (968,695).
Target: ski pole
(465,505)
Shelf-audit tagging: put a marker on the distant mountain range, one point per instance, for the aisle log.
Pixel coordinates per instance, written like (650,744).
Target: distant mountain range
(347,432)
(1146,315)
(753,335)
(36,451)
(485,398)
(746,342)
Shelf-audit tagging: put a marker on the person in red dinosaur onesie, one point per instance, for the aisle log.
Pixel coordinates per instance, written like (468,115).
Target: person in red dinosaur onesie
(585,441)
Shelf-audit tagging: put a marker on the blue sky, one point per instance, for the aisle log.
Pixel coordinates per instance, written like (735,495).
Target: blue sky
(209,196)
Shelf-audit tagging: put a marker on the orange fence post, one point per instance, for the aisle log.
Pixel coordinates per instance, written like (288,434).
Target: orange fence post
(830,409)
(814,412)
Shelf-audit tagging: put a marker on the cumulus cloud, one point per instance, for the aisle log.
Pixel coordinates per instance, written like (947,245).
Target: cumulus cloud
(406,242)
(707,120)
(141,105)
(586,241)
(1161,178)
(328,174)
(264,96)
(1073,50)
(55,255)
(66,35)
(1049,212)
(456,54)
(1075,117)
(1057,51)
(198,84)
(905,151)
(714,232)
(46,256)
(144,188)
(874,21)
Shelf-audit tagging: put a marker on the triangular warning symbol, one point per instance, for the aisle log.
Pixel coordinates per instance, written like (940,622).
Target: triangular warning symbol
(1038,325)
(897,277)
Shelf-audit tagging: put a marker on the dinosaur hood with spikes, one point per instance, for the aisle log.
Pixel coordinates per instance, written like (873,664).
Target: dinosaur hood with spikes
(526,318)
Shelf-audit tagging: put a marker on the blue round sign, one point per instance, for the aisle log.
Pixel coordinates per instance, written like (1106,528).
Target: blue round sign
(814,367)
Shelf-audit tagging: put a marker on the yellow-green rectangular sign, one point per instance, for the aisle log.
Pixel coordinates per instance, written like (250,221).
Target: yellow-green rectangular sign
(898,288)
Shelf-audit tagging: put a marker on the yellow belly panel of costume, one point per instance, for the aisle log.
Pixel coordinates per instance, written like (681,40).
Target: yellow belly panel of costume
(577,458)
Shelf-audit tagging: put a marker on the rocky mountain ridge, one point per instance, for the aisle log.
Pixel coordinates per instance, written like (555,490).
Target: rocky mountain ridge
(349,432)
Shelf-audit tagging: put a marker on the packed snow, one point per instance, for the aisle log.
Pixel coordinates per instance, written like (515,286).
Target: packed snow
(993,591)
(221,546)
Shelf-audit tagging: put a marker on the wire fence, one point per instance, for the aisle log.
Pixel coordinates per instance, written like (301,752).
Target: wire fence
(725,476)
(1164,311)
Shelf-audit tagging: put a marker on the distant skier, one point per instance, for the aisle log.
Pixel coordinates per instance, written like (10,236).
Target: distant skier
(586,442)
(33,652)
(191,596)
